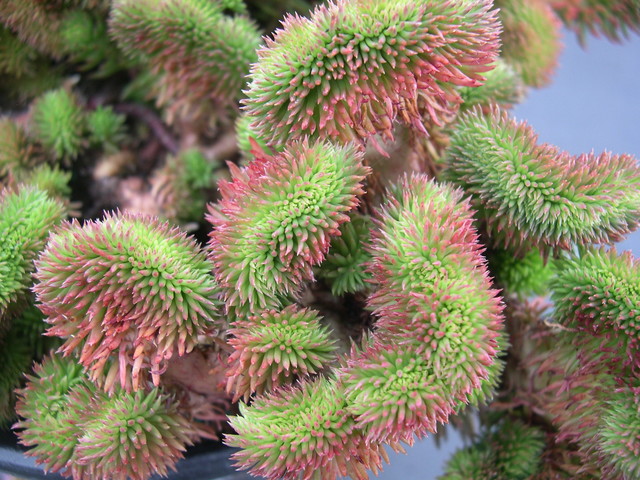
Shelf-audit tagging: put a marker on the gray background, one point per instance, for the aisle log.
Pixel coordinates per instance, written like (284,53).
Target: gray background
(593,103)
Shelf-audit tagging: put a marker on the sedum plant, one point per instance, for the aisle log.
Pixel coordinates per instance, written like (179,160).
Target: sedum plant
(26,218)
(52,180)
(615,20)
(105,128)
(502,86)
(270,350)
(183,186)
(87,434)
(314,246)
(533,194)
(21,343)
(308,423)
(356,67)
(344,267)
(276,219)
(84,34)
(434,300)
(16,150)
(524,276)
(530,39)
(59,123)
(127,288)
(510,452)
(201,54)
(599,290)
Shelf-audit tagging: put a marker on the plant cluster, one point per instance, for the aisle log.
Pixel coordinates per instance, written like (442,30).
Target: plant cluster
(314,246)
(126,288)
(509,451)
(87,434)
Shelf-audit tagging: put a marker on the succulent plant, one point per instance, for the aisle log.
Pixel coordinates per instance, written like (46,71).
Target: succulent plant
(16,150)
(84,433)
(619,435)
(584,385)
(502,86)
(26,216)
(302,433)
(126,294)
(201,53)
(16,57)
(59,123)
(237,6)
(19,344)
(448,343)
(352,68)
(51,180)
(35,24)
(469,463)
(144,426)
(615,19)
(511,452)
(180,188)
(245,135)
(276,219)
(106,128)
(395,394)
(518,449)
(529,275)
(86,42)
(434,299)
(426,245)
(599,290)
(532,194)
(51,424)
(376,222)
(273,348)
(345,265)
(530,38)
